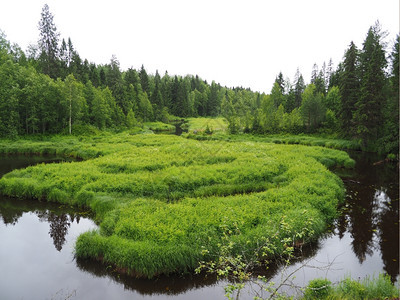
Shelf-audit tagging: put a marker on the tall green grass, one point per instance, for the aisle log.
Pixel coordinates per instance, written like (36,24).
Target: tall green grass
(200,125)
(307,140)
(159,126)
(160,200)
(379,287)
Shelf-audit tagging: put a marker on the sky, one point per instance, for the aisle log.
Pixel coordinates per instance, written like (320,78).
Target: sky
(236,43)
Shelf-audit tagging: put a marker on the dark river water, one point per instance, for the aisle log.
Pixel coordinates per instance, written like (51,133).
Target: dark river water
(37,239)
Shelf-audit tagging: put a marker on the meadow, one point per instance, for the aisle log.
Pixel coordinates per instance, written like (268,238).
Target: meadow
(200,124)
(163,203)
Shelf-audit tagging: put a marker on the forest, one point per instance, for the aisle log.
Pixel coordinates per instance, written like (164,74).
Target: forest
(50,89)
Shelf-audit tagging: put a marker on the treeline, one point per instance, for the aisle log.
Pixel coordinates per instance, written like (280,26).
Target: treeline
(357,100)
(51,88)
(102,96)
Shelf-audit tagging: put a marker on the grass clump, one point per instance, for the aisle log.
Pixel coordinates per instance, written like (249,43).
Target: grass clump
(318,289)
(160,199)
(379,287)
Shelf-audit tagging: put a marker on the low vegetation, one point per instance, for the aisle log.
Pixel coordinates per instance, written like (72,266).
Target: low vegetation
(300,139)
(368,288)
(206,125)
(161,200)
(159,126)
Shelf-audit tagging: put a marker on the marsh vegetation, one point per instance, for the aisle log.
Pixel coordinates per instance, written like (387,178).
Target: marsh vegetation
(160,200)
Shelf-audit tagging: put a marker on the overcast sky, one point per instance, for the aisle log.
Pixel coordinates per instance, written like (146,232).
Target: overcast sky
(236,43)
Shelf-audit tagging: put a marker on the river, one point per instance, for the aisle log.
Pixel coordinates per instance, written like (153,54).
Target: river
(37,238)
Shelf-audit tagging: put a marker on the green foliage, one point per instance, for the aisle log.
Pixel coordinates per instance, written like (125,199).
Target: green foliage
(235,262)
(358,100)
(379,287)
(327,141)
(130,119)
(161,199)
(80,129)
(312,108)
(199,125)
(318,289)
(368,115)
(159,126)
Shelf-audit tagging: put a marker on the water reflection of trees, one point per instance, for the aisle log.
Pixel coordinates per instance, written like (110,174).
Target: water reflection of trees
(176,284)
(389,235)
(361,226)
(10,217)
(372,220)
(11,210)
(59,224)
(168,285)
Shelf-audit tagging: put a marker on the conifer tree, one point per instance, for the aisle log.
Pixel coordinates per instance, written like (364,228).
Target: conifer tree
(320,86)
(281,82)
(298,88)
(48,44)
(276,95)
(390,136)
(116,84)
(314,73)
(349,88)
(368,113)
(214,102)
(144,80)
(63,58)
(165,90)
(156,98)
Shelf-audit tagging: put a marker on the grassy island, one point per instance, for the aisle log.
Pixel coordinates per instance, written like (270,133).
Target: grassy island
(161,200)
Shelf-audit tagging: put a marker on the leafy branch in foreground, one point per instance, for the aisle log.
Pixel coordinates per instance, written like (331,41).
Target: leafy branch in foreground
(237,265)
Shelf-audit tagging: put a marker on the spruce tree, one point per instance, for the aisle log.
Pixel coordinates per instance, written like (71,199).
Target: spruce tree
(165,90)
(328,74)
(214,102)
(64,59)
(276,95)
(48,44)
(349,88)
(116,84)
(298,88)
(144,80)
(281,82)
(314,73)
(320,86)
(368,114)
(389,141)
(156,98)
